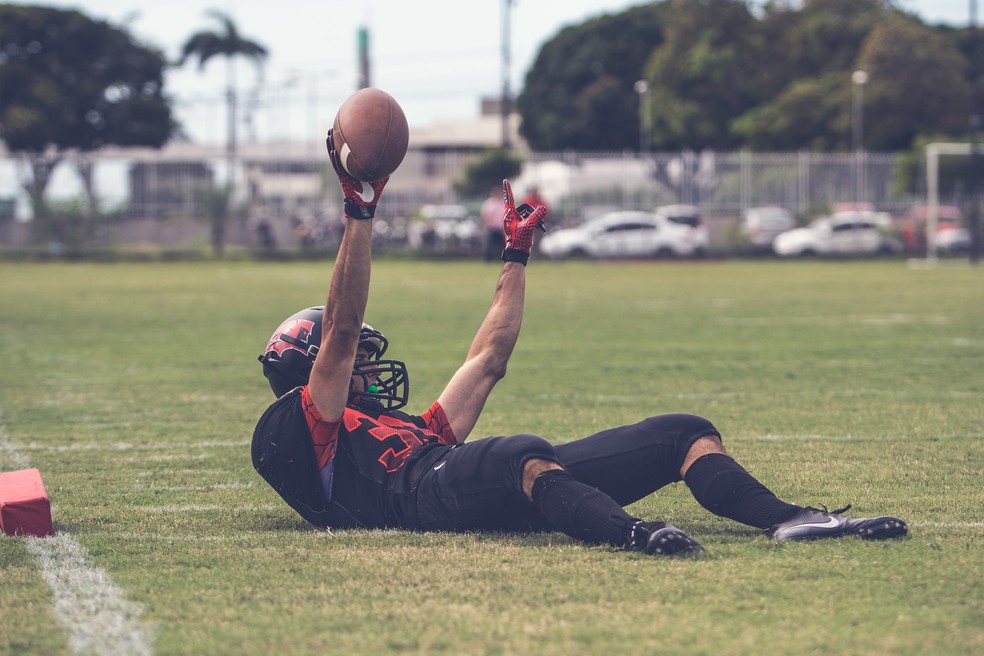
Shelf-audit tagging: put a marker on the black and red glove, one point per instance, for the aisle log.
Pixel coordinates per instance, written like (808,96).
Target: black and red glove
(519,224)
(360,197)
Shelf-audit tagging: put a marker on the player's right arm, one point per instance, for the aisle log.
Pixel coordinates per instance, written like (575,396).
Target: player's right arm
(348,293)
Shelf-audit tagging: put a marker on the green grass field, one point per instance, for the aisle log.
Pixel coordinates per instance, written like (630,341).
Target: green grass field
(135,389)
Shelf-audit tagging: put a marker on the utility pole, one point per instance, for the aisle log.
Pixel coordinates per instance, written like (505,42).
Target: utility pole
(365,79)
(974,216)
(505,105)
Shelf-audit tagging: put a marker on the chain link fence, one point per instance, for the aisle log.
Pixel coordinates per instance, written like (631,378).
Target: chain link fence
(289,199)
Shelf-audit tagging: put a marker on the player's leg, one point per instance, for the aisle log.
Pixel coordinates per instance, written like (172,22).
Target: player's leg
(631,462)
(725,488)
(514,484)
(586,513)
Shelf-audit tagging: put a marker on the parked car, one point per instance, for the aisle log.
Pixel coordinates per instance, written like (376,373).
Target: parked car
(448,230)
(761,225)
(842,233)
(952,239)
(621,235)
(951,236)
(688,215)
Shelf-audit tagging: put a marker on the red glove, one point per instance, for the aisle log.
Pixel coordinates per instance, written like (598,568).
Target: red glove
(519,225)
(360,197)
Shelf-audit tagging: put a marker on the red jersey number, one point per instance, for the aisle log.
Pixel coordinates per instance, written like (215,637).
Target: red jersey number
(393,459)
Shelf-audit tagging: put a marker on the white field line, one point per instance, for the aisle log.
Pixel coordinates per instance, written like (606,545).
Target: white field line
(175,457)
(129,446)
(193,488)
(241,536)
(144,473)
(247,536)
(98,617)
(92,608)
(807,437)
(162,537)
(202,507)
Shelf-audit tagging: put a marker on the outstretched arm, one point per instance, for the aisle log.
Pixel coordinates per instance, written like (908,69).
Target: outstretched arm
(348,294)
(465,395)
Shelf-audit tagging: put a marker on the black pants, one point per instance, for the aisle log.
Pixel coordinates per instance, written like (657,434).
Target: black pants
(478,485)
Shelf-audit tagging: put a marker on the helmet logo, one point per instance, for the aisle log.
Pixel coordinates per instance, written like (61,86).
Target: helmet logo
(292,334)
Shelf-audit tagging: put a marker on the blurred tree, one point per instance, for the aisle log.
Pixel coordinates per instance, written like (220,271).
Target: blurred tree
(711,67)
(228,43)
(579,92)
(917,84)
(722,76)
(73,83)
(916,78)
(803,116)
(822,36)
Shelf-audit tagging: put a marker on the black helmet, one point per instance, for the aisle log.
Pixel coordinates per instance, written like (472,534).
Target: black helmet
(290,354)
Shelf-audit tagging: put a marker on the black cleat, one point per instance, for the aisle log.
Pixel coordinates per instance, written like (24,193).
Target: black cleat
(662,539)
(814,524)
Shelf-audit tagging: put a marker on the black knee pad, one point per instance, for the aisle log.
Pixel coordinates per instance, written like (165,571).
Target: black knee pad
(524,447)
(682,430)
(514,451)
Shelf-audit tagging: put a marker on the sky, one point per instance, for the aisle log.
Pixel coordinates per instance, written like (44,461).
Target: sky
(438,58)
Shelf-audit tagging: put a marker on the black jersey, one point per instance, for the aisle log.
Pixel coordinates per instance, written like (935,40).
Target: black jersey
(355,471)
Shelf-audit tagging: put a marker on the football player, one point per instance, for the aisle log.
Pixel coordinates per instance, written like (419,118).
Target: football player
(339,449)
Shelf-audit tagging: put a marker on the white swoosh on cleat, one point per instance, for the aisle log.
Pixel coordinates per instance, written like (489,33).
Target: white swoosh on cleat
(830,523)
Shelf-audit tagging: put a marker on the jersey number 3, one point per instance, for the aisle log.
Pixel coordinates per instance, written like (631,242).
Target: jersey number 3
(393,459)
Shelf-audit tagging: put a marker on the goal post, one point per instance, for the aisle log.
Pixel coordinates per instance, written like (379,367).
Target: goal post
(933,152)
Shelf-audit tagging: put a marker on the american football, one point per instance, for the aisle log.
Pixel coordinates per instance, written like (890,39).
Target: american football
(370,134)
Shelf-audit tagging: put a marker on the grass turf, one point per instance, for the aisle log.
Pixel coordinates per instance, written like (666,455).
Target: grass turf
(134,389)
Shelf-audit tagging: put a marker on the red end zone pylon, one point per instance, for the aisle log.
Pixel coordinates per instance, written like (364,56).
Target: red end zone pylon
(24,505)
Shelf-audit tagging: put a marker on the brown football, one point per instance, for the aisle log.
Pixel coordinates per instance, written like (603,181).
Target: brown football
(370,134)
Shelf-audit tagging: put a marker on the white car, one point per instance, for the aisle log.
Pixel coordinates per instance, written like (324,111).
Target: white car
(445,229)
(842,233)
(688,215)
(952,239)
(623,234)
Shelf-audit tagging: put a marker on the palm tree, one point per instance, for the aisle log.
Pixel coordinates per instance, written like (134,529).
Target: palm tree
(228,43)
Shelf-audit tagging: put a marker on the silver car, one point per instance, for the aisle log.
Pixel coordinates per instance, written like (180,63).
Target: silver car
(843,233)
(628,234)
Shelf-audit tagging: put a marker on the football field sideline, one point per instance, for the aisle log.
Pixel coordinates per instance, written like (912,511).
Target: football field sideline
(92,608)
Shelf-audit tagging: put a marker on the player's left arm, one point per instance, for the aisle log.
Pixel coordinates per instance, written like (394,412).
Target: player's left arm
(465,395)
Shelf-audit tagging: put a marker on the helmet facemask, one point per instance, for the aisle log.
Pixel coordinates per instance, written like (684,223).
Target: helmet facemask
(391,387)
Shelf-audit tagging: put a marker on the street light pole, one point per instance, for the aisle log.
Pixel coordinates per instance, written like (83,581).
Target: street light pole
(642,88)
(858,79)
